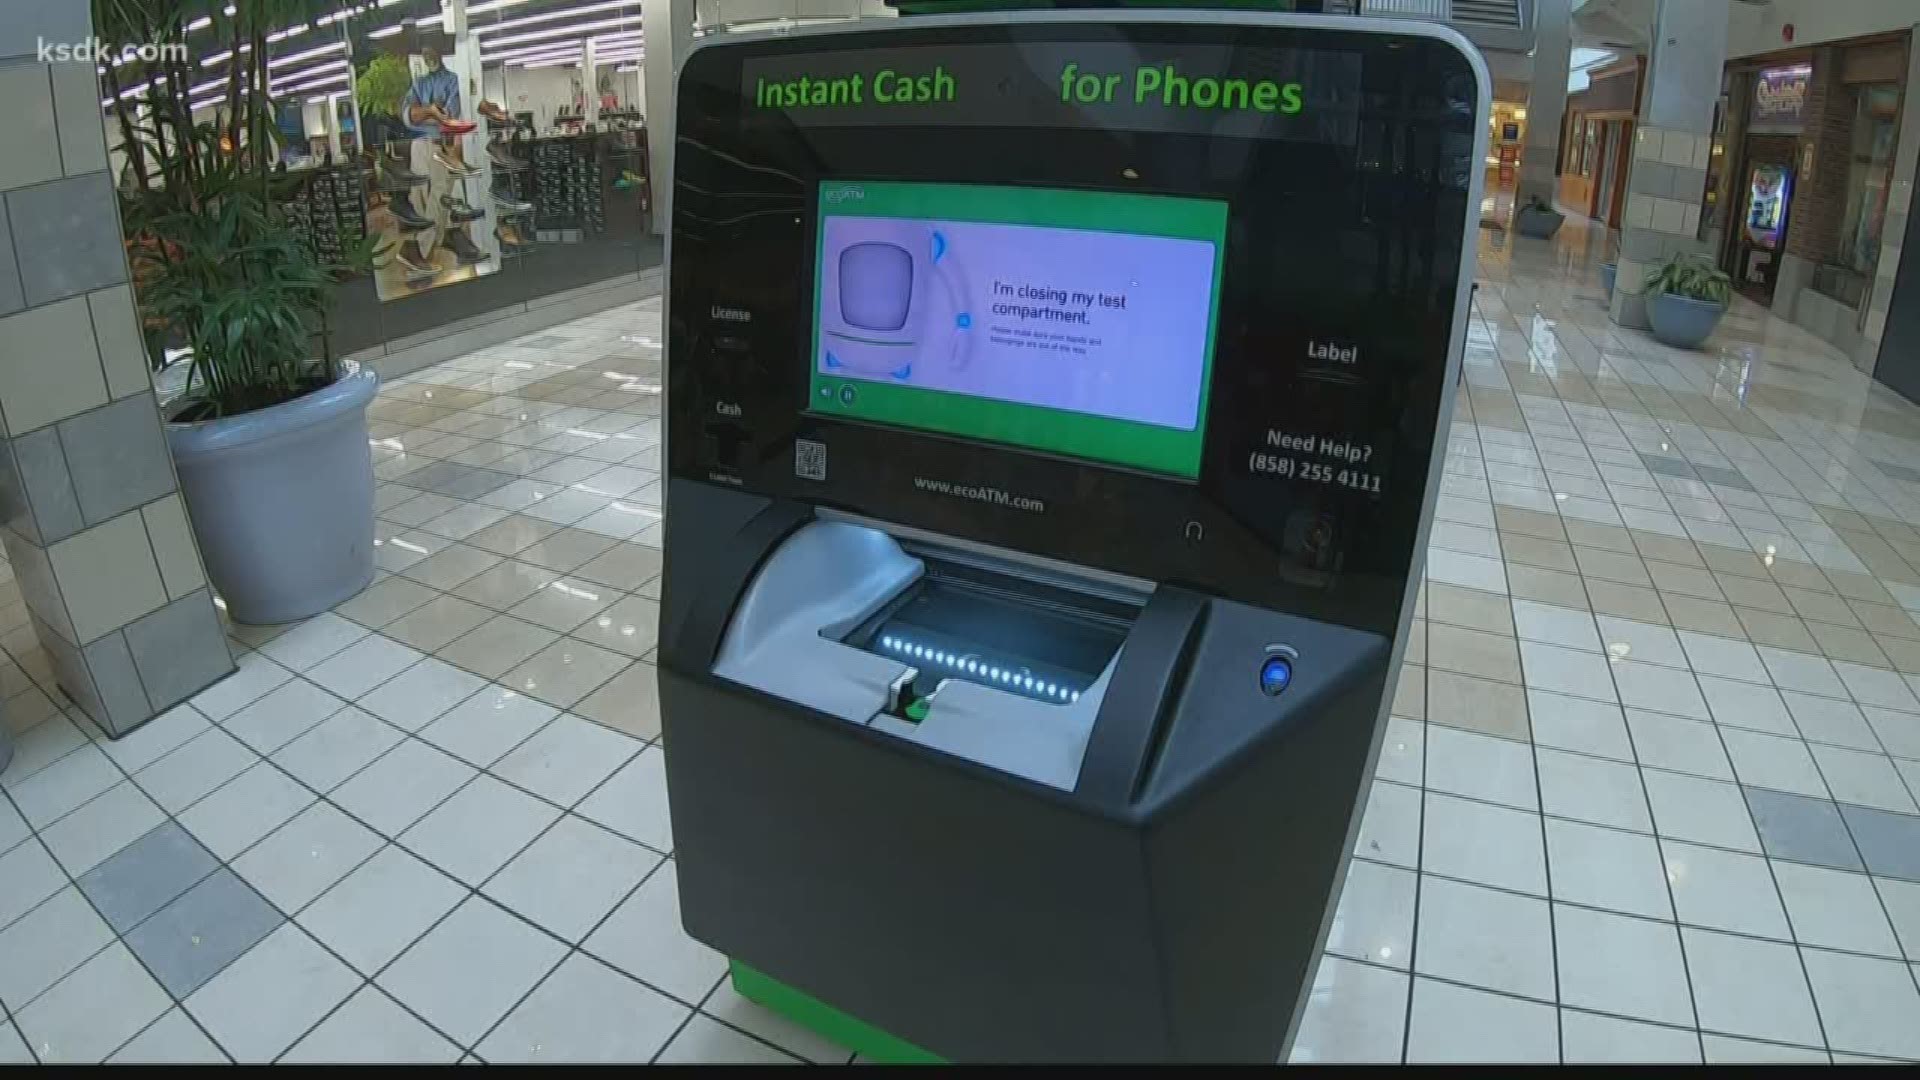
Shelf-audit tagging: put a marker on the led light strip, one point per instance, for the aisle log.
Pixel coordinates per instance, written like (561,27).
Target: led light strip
(548,50)
(991,673)
(565,31)
(548,16)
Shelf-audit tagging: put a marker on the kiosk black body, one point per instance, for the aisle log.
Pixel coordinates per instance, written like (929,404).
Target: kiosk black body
(1055,408)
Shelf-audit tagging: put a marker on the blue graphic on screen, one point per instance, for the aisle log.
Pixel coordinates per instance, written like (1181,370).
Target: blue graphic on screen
(882,319)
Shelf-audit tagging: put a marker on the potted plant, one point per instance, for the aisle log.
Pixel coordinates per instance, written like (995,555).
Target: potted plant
(378,90)
(1538,219)
(269,435)
(1686,295)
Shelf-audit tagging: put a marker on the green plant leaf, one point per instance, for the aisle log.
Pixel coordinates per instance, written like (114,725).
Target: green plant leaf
(1693,276)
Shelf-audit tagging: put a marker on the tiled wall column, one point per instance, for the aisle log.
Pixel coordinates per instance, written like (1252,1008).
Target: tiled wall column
(93,521)
(1546,98)
(1906,163)
(1668,175)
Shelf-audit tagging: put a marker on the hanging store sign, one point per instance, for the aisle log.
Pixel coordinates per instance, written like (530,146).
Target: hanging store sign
(1780,100)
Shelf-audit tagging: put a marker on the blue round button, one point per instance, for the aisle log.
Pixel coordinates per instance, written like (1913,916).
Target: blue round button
(1275,675)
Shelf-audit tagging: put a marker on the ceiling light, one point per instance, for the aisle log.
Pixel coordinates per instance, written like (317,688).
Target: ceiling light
(564,31)
(549,16)
(544,54)
(526,51)
(387,31)
(292,58)
(303,82)
(571,61)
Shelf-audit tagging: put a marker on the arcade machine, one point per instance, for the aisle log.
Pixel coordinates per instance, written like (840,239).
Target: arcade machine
(1055,412)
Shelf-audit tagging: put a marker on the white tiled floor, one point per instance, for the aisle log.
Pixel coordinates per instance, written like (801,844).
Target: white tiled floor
(1668,624)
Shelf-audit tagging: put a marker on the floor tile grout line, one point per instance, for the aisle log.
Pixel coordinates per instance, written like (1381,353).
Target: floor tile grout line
(1546,867)
(171,818)
(268,756)
(1466,797)
(570,948)
(1548,898)
(701,1010)
(1413,935)
(1879,897)
(1646,801)
(297,675)
(116,938)
(1780,895)
(470,891)
(1561,1006)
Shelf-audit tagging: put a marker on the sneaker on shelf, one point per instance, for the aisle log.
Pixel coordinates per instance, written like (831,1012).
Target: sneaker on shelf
(456,127)
(463,247)
(494,113)
(507,201)
(395,176)
(503,158)
(403,212)
(453,164)
(459,211)
(398,166)
(510,237)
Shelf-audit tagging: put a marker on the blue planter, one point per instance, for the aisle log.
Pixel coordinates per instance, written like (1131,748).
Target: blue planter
(1607,271)
(1680,321)
(281,500)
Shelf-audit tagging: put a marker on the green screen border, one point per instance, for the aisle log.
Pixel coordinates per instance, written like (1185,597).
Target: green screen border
(1099,438)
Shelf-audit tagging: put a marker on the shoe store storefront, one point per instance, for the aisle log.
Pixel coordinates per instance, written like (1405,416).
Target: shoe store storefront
(1803,178)
(494,150)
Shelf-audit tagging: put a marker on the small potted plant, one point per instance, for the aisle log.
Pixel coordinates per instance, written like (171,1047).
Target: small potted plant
(1538,219)
(1686,295)
(378,90)
(269,435)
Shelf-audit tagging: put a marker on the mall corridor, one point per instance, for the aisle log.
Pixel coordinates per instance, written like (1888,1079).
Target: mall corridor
(1648,793)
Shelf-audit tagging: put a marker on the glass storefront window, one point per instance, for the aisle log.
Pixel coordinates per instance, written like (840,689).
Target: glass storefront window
(1869,174)
(1711,200)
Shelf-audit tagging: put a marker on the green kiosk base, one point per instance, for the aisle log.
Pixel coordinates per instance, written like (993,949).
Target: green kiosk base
(826,1021)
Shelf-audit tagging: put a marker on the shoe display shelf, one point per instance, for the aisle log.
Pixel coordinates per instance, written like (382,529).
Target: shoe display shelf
(567,198)
(512,195)
(329,205)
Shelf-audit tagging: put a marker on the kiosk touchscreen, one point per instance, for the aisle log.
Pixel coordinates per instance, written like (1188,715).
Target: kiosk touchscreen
(1055,412)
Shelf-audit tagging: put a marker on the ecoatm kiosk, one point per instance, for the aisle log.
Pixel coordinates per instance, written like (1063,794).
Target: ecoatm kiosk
(1055,411)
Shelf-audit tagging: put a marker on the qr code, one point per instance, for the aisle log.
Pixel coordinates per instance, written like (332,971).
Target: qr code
(809,459)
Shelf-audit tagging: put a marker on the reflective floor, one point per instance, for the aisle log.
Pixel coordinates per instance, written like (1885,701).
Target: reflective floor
(1649,792)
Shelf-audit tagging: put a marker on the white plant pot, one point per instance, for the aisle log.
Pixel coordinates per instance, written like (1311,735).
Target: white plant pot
(282,500)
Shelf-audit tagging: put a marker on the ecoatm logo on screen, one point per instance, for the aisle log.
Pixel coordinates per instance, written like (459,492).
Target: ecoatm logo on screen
(836,194)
